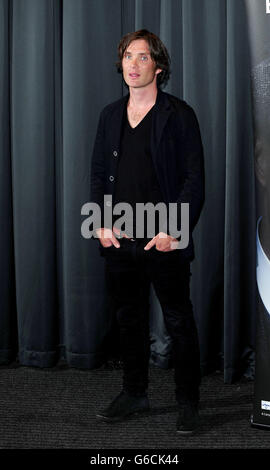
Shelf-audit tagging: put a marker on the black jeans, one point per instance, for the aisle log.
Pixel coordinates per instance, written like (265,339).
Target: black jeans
(129,271)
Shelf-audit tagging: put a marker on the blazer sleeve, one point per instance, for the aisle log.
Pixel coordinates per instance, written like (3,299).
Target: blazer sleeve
(97,178)
(193,187)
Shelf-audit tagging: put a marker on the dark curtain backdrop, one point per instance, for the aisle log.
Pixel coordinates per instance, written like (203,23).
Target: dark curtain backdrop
(56,73)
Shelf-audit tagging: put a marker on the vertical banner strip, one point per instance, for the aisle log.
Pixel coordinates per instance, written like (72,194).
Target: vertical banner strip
(258,14)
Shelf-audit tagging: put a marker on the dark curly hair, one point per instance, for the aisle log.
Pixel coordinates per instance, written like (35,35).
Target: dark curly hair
(158,52)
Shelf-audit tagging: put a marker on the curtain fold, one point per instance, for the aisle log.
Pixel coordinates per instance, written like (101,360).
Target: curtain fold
(33,179)
(8,327)
(90,32)
(240,221)
(57,71)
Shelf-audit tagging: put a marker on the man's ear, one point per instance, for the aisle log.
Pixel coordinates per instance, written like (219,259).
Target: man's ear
(260,162)
(158,71)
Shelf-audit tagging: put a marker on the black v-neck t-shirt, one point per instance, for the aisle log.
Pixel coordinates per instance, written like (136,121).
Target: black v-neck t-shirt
(136,179)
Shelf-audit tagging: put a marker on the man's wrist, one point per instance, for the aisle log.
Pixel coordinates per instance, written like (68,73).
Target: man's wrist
(97,232)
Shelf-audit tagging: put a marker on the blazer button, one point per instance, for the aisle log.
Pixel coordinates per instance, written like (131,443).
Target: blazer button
(111,178)
(108,203)
(115,153)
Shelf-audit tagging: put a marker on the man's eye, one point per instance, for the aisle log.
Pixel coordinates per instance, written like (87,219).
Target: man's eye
(144,58)
(127,56)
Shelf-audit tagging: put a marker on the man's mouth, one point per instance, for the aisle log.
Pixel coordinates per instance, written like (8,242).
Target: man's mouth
(134,75)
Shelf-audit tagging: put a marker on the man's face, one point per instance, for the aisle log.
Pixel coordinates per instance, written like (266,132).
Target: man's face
(139,70)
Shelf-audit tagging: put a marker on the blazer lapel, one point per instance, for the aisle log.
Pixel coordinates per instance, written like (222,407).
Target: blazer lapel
(116,124)
(162,111)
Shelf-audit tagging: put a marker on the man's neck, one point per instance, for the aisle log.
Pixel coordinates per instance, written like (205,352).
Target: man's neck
(142,97)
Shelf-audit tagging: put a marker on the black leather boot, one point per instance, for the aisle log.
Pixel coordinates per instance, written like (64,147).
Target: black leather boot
(188,418)
(123,406)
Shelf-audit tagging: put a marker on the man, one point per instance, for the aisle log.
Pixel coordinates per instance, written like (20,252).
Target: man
(148,149)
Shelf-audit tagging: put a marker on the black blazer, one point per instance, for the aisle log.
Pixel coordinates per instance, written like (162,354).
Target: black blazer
(176,149)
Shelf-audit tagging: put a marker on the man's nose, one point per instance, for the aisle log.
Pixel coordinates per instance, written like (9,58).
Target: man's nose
(134,61)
